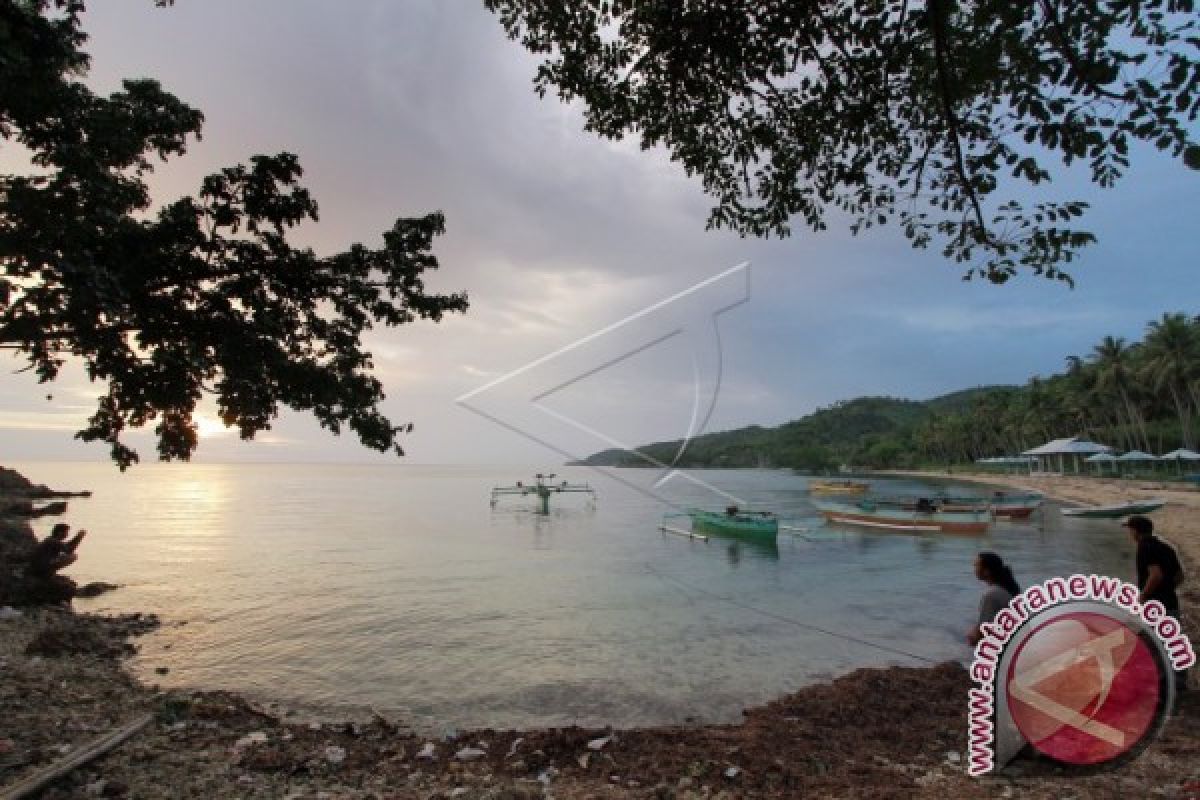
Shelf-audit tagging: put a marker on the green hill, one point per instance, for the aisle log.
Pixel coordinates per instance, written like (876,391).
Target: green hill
(1142,395)
(866,430)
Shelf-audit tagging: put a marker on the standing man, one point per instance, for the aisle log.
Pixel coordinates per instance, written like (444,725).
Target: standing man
(1158,571)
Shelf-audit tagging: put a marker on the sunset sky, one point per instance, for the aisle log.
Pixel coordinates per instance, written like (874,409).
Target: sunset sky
(398,109)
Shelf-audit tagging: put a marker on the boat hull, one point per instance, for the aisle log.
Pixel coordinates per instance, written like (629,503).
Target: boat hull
(1114,512)
(1013,506)
(757,526)
(894,518)
(838,487)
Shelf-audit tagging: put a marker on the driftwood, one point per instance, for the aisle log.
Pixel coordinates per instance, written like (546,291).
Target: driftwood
(95,748)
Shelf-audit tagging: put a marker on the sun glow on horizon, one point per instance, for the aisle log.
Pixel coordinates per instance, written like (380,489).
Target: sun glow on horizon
(210,427)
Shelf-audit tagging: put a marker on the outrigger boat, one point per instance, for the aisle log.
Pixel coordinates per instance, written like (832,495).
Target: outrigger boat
(1002,504)
(838,487)
(1115,511)
(542,488)
(922,517)
(735,522)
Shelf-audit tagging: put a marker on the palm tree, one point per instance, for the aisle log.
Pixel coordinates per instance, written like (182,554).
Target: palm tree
(1172,352)
(1116,370)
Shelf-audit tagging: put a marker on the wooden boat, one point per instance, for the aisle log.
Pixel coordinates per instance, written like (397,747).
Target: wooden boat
(838,487)
(1002,504)
(1115,511)
(1013,505)
(896,517)
(734,522)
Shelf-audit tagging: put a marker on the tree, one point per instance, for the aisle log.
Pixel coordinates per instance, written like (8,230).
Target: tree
(206,295)
(1115,370)
(1172,353)
(909,111)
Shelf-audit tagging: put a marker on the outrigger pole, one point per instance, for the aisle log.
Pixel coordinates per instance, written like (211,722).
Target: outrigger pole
(543,488)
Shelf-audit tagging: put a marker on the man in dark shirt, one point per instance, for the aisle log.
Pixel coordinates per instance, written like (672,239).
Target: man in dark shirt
(54,552)
(1158,567)
(1158,573)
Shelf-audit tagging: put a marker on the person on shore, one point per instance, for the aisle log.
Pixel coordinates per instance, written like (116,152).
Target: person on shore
(1158,569)
(1001,589)
(54,552)
(1159,572)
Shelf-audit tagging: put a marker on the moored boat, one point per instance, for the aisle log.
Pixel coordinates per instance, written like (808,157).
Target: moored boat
(838,487)
(1115,511)
(735,522)
(896,517)
(1015,505)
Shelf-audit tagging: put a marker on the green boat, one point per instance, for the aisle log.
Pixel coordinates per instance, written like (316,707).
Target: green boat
(1114,512)
(734,522)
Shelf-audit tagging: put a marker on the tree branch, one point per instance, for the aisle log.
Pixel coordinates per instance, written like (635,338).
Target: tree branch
(1064,47)
(938,21)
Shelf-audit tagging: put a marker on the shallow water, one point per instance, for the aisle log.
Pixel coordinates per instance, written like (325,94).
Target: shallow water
(399,587)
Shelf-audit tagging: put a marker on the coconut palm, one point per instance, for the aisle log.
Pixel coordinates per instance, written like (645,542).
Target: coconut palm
(1171,358)
(1116,370)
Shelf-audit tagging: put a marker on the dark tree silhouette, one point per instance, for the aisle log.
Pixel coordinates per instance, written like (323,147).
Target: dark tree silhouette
(913,111)
(206,295)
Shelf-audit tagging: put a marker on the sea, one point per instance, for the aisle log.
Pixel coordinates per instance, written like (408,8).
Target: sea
(401,588)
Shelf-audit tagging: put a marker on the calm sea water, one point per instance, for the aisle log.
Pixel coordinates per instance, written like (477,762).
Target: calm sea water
(399,587)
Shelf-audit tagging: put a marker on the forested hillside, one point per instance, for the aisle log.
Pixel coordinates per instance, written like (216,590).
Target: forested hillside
(1144,395)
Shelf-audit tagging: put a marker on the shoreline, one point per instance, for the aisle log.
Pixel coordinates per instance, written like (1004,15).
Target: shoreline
(876,732)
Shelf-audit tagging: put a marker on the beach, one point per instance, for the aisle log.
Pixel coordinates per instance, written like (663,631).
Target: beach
(874,733)
(1178,521)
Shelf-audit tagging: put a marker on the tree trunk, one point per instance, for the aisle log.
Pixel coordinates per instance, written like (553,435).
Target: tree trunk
(1185,423)
(1136,418)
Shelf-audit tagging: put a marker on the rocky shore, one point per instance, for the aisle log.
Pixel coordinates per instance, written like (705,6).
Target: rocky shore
(876,733)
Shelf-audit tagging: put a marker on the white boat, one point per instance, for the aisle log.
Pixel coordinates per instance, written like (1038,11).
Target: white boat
(1115,511)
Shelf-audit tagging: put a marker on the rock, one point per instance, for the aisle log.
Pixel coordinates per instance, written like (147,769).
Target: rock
(459,792)
(335,754)
(257,737)
(95,589)
(953,757)
(733,772)
(583,760)
(470,754)
(547,775)
(512,750)
(114,789)
(599,744)
(428,752)
(8,612)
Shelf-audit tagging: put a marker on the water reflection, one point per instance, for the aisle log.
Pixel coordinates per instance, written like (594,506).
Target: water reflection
(735,548)
(400,587)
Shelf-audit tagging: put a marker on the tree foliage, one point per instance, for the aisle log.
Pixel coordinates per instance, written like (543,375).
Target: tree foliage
(204,295)
(925,113)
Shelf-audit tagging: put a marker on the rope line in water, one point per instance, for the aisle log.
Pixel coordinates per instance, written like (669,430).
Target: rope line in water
(781,618)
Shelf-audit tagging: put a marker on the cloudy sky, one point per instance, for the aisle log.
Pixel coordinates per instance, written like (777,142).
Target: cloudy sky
(397,109)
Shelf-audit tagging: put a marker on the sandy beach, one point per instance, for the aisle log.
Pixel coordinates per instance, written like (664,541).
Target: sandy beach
(875,733)
(1178,521)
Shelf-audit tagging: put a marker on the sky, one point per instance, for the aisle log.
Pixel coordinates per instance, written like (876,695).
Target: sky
(585,260)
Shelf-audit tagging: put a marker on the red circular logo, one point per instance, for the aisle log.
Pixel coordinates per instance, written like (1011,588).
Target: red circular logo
(1083,688)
